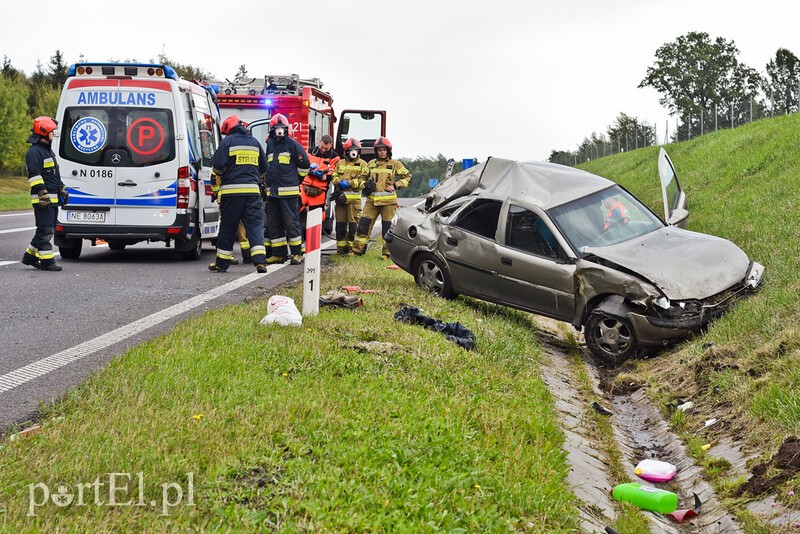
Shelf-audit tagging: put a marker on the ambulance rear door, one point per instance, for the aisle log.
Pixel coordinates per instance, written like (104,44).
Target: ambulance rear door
(120,138)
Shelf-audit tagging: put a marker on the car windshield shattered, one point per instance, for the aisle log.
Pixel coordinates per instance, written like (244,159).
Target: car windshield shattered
(604,218)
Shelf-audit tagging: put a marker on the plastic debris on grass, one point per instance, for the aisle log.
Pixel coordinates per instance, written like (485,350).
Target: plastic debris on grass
(282,311)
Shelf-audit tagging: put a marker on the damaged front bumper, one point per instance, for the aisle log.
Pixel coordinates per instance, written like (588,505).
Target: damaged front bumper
(663,321)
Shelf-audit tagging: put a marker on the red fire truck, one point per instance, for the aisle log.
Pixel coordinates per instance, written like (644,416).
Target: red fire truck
(309,110)
(302,101)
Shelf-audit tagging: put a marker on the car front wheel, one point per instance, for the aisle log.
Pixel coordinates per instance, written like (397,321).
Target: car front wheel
(611,339)
(431,274)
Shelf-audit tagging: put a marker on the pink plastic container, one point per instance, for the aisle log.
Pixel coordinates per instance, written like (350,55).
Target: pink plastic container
(655,470)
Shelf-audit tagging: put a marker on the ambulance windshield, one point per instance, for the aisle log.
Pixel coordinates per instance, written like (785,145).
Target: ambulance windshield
(117,136)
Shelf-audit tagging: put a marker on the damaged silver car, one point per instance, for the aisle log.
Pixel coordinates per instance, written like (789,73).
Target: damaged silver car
(567,244)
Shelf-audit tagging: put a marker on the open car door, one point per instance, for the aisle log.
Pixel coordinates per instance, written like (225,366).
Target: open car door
(676,211)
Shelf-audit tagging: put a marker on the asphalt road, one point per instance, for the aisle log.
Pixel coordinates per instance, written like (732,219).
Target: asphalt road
(99,306)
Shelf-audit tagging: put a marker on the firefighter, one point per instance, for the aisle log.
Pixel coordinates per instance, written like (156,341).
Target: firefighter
(314,187)
(287,165)
(47,190)
(348,180)
(386,176)
(238,165)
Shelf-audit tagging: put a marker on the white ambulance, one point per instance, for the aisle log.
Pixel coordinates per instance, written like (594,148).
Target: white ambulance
(134,144)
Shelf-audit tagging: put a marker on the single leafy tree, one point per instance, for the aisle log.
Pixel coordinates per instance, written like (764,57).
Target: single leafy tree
(698,77)
(782,80)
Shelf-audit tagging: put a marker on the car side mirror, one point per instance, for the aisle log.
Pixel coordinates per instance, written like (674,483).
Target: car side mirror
(679,218)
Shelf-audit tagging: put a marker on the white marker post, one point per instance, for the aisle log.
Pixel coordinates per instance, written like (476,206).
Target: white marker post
(312,262)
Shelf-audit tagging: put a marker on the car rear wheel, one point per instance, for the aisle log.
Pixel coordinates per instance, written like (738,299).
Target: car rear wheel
(193,249)
(431,274)
(71,251)
(611,339)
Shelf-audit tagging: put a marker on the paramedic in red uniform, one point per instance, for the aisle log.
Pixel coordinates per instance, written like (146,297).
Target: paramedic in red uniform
(288,165)
(46,189)
(314,188)
(238,165)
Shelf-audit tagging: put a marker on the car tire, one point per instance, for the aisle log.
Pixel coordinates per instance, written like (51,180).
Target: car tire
(73,251)
(611,340)
(196,250)
(431,274)
(116,245)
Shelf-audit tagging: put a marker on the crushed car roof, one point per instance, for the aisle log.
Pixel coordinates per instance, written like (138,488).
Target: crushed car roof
(545,184)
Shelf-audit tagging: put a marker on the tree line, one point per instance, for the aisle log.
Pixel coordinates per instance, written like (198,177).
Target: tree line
(705,86)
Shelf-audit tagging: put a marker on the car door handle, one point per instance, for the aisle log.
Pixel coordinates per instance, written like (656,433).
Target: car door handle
(127,183)
(505,261)
(452,241)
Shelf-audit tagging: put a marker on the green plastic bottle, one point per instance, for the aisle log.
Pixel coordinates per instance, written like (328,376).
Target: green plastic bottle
(646,497)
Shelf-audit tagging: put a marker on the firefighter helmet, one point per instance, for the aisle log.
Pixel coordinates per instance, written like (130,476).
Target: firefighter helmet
(352,148)
(229,124)
(382,142)
(43,125)
(352,142)
(279,125)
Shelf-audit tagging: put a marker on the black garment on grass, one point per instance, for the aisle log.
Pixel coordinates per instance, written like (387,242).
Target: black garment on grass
(455,332)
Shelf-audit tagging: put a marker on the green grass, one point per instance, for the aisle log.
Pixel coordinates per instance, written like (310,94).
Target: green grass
(352,422)
(14,193)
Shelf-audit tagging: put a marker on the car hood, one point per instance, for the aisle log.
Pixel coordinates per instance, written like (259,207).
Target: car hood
(683,264)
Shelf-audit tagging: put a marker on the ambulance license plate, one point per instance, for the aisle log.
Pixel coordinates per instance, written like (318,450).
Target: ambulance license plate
(87,216)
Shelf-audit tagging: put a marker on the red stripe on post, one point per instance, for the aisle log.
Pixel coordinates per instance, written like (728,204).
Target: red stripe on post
(313,238)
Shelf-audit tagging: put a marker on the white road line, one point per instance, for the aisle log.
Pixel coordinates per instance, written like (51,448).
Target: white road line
(14,230)
(7,263)
(20,214)
(45,365)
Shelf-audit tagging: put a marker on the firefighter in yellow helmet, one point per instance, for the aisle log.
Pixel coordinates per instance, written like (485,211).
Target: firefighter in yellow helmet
(348,179)
(387,175)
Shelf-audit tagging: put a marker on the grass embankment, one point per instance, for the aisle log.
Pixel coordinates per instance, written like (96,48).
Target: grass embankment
(14,193)
(352,422)
(742,185)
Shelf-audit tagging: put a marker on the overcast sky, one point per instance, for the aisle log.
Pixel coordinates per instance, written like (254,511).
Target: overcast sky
(466,78)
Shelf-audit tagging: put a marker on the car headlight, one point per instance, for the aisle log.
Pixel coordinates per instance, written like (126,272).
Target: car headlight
(662,302)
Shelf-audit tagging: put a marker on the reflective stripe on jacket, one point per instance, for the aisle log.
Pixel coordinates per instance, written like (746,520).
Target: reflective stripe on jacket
(287,165)
(43,172)
(238,164)
(389,172)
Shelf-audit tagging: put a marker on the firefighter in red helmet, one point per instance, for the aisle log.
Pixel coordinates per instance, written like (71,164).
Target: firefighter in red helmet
(287,166)
(47,191)
(387,175)
(238,165)
(348,181)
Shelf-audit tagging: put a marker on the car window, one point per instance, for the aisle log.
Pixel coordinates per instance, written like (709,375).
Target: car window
(528,232)
(480,217)
(604,218)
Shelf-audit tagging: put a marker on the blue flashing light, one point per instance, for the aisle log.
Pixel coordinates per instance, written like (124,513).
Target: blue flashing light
(72,69)
(214,88)
(267,102)
(170,72)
